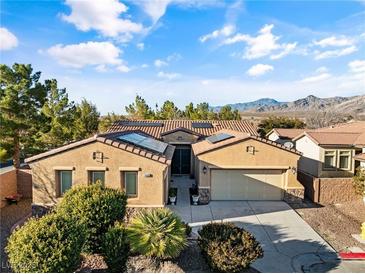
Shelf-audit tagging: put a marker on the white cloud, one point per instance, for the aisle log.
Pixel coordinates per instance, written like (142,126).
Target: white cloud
(102,16)
(287,49)
(333,41)
(334,53)
(160,63)
(140,46)
(155,9)
(99,54)
(168,76)
(123,68)
(225,31)
(8,39)
(144,66)
(357,66)
(171,58)
(259,69)
(320,75)
(264,44)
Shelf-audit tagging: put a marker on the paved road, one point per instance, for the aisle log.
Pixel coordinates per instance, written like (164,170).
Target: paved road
(289,243)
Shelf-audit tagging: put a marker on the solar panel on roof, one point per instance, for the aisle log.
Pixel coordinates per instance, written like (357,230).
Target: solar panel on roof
(218,137)
(201,125)
(142,124)
(144,141)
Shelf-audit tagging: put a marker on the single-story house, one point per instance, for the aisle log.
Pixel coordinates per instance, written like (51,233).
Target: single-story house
(284,135)
(141,156)
(330,157)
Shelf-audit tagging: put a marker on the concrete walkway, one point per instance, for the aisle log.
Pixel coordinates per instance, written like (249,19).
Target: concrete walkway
(289,243)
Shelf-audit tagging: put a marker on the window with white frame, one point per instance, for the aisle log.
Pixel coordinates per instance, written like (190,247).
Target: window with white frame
(330,159)
(344,160)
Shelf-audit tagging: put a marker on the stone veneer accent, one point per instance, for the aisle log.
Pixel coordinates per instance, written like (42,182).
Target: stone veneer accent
(294,195)
(204,196)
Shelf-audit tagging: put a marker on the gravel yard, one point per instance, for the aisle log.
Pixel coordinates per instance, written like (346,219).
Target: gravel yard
(10,215)
(190,261)
(335,223)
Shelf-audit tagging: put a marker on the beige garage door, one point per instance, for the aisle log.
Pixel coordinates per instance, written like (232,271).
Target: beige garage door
(246,184)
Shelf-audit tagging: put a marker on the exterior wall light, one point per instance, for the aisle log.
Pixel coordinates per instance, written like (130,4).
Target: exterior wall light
(205,169)
(293,170)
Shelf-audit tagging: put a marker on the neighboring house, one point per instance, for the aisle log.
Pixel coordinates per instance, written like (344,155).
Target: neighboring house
(329,160)
(140,157)
(284,135)
(330,152)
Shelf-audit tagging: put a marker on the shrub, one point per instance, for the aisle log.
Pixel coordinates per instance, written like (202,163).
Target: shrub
(172,192)
(228,248)
(96,208)
(359,181)
(187,229)
(158,233)
(115,248)
(52,243)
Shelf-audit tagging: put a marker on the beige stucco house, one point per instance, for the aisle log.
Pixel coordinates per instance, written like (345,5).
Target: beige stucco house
(141,156)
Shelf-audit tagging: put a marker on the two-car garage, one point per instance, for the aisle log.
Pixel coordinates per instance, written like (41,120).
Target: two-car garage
(246,184)
(246,167)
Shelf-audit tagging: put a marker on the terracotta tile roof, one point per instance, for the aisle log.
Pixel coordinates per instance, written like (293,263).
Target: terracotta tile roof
(170,125)
(111,139)
(205,146)
(358,126)
(360,157)
(287,133)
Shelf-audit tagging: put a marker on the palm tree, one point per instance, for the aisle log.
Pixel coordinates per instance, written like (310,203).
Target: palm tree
(157,233)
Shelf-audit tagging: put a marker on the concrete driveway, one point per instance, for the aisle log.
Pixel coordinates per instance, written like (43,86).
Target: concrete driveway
(289,243)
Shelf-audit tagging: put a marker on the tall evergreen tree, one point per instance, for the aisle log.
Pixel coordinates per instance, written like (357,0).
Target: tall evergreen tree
(86,120)
(139,109)
(226,113)
(21,98)
(169,111)
(107,120)
(58,111)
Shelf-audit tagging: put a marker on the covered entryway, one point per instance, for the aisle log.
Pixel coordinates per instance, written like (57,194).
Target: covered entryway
(181,161)
(229,184)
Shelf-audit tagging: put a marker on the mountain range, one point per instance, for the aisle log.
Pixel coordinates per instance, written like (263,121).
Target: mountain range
(348,105)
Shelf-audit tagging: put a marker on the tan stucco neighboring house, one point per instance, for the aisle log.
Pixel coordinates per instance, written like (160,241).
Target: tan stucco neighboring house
(284,135)
(140,157)
(240,166)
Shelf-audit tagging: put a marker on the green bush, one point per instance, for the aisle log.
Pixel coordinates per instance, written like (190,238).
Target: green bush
(187,229)
(96,208)
(52,243)
(228,248)
(115,248)
(157,233)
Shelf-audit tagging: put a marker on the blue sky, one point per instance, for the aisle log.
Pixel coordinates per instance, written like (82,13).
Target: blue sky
(188,50)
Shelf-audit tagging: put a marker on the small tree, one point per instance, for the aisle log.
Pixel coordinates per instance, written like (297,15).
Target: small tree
(86,120)
(96,208)
(359,181)
(266,125)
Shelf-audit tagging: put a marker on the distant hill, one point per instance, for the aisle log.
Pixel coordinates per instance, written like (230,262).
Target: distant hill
(353,104)
(264,102)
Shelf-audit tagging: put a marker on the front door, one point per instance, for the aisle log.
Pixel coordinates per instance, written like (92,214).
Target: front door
(181,160)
